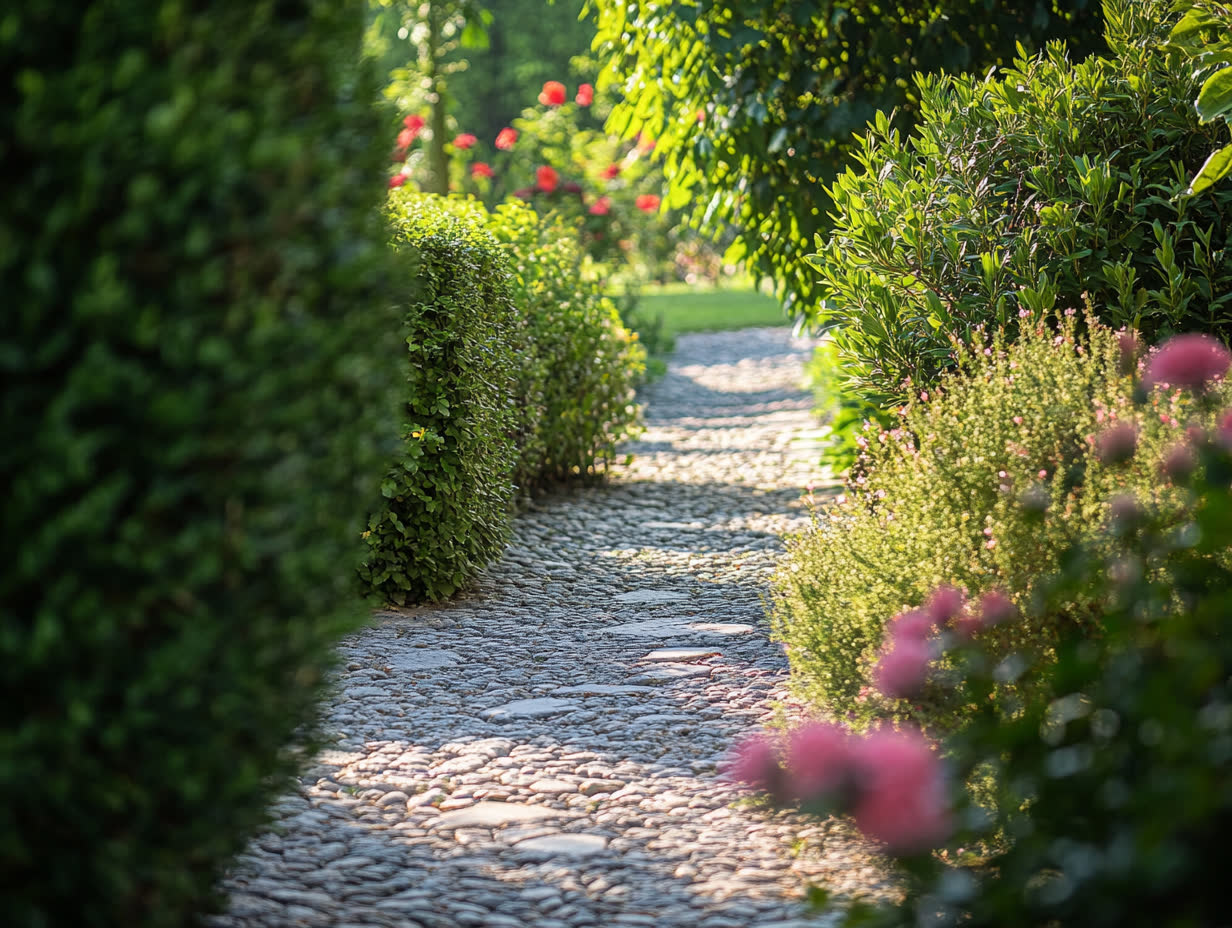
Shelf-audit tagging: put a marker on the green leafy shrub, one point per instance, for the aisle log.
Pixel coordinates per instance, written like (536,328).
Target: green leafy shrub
(520,376)
(1113,797)
(447,497)
(1205,33)
(196,407)
(582,364)
(1018,194)
(938,500)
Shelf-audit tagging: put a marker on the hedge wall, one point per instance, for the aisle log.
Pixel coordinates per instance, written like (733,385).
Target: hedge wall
(195,400)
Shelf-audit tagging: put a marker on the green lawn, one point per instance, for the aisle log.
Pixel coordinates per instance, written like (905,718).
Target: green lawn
(690,308)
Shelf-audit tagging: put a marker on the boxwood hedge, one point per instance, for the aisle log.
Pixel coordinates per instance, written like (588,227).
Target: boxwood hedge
(520,376)
(195,409)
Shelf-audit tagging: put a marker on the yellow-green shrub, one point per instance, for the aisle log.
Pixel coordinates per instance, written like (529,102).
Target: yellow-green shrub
(938,500)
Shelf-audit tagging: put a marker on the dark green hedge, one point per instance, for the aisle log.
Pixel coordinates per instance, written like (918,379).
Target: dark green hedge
(520,376)
(194,402)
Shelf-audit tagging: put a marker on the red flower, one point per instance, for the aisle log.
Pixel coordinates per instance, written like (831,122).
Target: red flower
(546,178)
(406,137)
(464,141)
(481,169)
(601,207)
(553,94)
(505,138)
(397,181)
(647,202)
(414,123)
(585,95)
(611,171)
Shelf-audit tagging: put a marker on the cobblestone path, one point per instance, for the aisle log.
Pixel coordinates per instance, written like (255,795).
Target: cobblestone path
(542,753)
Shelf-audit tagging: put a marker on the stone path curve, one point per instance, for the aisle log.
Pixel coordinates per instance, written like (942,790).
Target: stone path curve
(542,753)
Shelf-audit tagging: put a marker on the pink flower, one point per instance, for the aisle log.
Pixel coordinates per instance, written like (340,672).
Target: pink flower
(585,95)
(414,123)
(546,178)
(553,94)
(1188,361)
(1223,430)
(600,207)
(505,138)
(995,607)
(1127,345)
(647,202)
(1124,509)
(397,181)
(405,138)
(464,140)
(901,671)
(945,603)
(902,787)
(481,169)
(917,625)
(1117,444)
(611,171)
(753,762)
(817,759)
(1179,462)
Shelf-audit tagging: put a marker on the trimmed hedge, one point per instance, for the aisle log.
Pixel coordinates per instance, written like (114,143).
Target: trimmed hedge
(194,403)
(520,376)
(939,500)
(1017,195)
(448,495)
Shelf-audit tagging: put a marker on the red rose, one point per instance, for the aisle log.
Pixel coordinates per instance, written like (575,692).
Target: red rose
(601,207)
(397,181)
(546,178)
(406,137)
(414,123)
(464,141)
(481,169)
(553,94)
(585,95)
(611,171)
(505,138)
(647,202)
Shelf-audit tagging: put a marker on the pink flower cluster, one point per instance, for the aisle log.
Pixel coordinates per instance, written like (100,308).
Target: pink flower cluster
(903,666)
(892,782)
(1191,361)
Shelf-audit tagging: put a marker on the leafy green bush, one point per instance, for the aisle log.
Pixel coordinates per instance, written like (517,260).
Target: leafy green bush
(195,410)
(1205,33)
(1017,195)
(937,500)
(447,497)
(520,376)
(1113,794)
(751,101)
(582,364)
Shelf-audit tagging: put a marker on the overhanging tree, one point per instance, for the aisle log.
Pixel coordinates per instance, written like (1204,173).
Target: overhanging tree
(753,103)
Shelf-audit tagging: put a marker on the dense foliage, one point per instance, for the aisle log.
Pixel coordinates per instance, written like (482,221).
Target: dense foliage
(195,409)
(754,101)
(1017,195)
(519,375)
(1205,32)
(938,500)
(447,497)
(1113,791)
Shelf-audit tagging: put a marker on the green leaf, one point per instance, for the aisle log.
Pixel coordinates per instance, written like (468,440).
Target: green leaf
(1215,98)
(1216,168)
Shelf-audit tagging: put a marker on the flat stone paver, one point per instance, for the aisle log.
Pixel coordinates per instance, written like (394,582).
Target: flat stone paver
(528,756)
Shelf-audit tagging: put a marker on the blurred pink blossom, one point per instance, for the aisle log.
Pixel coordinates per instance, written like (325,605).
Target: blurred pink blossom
(902,669)
(1179,461)
(1223,430)
(945,603)
(1117,444)
(1191,360)
(995,607)
(902,790)
(754,762)
(818,759)
(916,624)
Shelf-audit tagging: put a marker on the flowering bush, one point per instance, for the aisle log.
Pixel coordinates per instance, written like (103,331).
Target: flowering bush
(983,484)
(1111,793)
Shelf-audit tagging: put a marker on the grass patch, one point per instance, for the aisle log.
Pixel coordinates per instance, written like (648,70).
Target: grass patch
(690,308)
